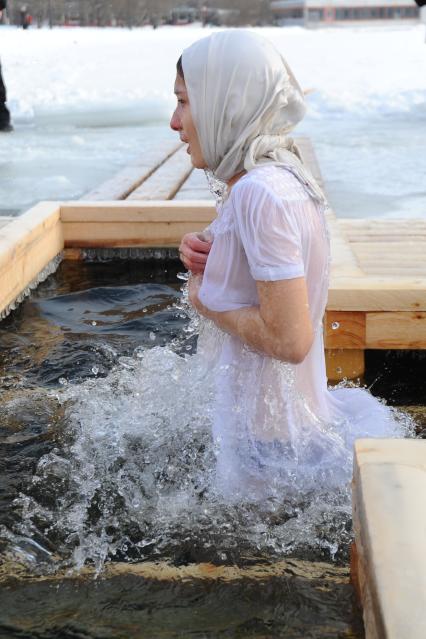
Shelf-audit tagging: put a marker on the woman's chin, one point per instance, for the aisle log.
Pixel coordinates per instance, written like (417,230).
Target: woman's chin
(197,163)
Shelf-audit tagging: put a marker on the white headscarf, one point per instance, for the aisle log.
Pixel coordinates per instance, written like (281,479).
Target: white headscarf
(244,101)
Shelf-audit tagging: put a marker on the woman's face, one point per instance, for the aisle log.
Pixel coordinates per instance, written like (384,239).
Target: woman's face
(182,123)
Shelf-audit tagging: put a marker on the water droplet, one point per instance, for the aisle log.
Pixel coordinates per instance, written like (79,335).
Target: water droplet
(335,325)
(183,276)
(94,323)
(152,336)
(95,370)
(144,310)
(63,381)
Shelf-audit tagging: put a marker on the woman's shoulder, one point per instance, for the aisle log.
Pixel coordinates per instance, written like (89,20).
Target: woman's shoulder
(270,180)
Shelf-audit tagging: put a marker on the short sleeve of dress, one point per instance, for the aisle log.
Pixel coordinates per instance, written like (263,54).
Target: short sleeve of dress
(269,232)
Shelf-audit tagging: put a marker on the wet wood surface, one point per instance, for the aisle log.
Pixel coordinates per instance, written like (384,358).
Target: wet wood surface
(389,516)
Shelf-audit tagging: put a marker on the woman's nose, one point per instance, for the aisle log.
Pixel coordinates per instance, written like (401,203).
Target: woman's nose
(175,122)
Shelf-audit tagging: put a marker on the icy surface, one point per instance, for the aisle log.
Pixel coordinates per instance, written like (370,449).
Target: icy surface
(87,101)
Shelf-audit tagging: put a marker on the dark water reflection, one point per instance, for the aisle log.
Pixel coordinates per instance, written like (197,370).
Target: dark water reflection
(295,600)
(84,317)
(77,325)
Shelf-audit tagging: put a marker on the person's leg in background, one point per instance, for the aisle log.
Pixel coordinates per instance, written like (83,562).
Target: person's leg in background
(4,111)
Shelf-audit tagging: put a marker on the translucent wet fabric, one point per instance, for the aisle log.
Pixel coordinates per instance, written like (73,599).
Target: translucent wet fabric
(245,101)
(277,428)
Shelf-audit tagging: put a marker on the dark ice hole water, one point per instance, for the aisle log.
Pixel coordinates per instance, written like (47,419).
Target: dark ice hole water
(76,329)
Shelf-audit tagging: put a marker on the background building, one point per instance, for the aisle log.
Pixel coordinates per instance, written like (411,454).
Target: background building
(314,12)
(129,13)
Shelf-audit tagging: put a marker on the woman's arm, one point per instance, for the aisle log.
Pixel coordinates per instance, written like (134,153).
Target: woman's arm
(280,326)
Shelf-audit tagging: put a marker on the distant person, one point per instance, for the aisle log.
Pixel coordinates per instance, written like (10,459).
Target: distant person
(5,125)
(25,17)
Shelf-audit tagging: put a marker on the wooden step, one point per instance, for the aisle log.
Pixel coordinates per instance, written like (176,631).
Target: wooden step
(194,188)
(131,177)
(389,515)
(5,220)
(166,181)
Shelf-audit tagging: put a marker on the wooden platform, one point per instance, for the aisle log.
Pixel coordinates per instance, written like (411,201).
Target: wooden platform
(389,515)
(377,295)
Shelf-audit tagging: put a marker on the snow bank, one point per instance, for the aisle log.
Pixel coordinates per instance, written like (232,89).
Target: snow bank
(117,74)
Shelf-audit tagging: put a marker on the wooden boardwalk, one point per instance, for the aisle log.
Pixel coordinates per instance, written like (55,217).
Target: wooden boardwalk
(377,295)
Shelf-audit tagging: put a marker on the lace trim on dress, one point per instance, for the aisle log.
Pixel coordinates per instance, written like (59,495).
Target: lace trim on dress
(217,187)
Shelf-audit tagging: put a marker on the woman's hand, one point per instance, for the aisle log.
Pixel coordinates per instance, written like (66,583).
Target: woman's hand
(193,251)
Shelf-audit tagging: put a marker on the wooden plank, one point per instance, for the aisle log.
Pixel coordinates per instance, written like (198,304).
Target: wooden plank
(165,571)
(413,261)
(5,220)
(27,245)
(128,179)
(361,222)
(390,235)
(73,254)
(126,234)
(373,226)
(344,363)
(164,183)
(344,261)
(355,579)
(390,330)
(309,157)
(194,188)
(389,517)
(390,252)
(344,329)
(124,224)
(377,294)
(127,211)
(396,330)
(390,249)
(393,271)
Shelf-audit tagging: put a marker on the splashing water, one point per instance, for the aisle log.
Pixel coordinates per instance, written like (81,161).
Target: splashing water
(132,475)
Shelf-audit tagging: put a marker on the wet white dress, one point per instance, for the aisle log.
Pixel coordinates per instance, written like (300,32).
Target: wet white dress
(276,426)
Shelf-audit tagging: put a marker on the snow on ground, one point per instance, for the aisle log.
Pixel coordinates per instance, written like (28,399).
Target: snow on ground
(86,101)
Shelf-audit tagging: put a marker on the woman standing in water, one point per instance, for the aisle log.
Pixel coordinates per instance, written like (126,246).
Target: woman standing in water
(263,279)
